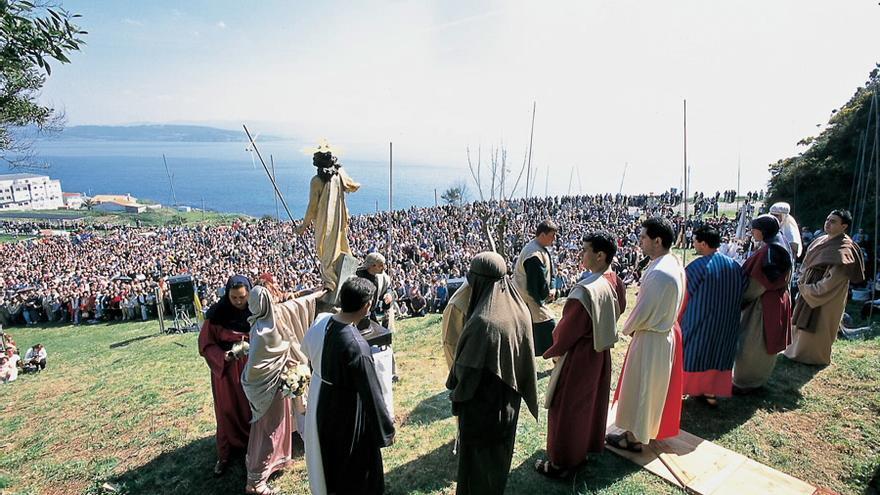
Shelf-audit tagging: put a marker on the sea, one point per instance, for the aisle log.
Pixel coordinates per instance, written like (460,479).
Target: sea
(225,177)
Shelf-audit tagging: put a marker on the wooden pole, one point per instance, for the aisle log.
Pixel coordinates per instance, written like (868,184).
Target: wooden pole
(277,214)
(283,202)
(531,139)
(390,199)
(684,220)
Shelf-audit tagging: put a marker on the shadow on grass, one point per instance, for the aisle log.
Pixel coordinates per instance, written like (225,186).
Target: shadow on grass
(600,472)
(781,393)
(186,470)
(132,340)
(434,408)
(431,472)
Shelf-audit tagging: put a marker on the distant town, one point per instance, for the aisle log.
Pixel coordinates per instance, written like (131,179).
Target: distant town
(29,192)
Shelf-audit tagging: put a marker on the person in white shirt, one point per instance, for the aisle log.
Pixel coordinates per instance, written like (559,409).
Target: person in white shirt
(788,227)
(36,356)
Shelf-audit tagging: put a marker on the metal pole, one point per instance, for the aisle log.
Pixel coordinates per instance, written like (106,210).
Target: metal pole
(278,192)
(436,204)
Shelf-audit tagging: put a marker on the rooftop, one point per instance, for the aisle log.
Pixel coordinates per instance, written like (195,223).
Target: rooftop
(19,176)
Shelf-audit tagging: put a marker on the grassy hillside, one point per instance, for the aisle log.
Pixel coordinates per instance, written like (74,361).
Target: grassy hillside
(121,404)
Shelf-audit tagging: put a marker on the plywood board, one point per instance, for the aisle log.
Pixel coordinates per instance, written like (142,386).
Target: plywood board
(705,468)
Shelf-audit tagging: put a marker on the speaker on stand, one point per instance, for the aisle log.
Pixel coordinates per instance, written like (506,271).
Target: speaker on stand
(183,296)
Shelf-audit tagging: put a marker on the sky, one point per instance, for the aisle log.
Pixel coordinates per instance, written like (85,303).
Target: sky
(608,79)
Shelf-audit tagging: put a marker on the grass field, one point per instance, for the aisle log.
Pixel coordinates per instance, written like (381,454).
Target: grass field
(121,404)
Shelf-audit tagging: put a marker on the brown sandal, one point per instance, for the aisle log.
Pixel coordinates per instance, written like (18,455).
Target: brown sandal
(620,441)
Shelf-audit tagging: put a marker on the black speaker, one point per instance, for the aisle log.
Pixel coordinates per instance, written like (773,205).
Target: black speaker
(182,289)
(453,284)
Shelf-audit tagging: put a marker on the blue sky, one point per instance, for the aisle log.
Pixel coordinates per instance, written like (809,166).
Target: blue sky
(609,78)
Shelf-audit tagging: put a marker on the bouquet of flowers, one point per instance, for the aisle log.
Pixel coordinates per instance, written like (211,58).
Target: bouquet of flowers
(240,349)
(295,380)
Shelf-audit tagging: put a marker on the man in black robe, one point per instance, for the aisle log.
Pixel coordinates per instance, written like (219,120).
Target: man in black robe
(353,422)
(494,370)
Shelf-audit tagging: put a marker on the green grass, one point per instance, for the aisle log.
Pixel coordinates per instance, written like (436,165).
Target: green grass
(13,238)
(123,405)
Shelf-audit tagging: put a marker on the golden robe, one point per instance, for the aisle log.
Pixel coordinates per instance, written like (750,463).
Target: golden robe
(330,215)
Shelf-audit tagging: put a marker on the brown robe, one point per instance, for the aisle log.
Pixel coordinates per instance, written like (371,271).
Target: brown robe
(830,265)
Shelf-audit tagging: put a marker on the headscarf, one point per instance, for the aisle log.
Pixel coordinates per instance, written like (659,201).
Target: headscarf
(780,208)
(778,261)
(497,335)
(224,314)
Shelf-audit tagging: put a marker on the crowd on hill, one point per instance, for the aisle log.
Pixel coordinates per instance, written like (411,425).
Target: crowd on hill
(111,272)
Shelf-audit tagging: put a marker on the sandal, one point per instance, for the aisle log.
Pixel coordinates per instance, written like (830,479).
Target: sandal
(220,467)
(546,468)
(619,441)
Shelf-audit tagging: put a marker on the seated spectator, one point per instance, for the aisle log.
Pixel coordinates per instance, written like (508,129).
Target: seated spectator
(35,358)
(6,370)
(417,303)
(14,362)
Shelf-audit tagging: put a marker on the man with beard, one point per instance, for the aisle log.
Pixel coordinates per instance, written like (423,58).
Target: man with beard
(221,342)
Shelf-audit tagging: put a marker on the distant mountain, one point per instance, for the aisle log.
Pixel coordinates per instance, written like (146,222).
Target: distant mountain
(157,132)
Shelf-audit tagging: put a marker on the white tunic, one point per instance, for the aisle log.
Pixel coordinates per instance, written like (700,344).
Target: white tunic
(313,347)
(644,381)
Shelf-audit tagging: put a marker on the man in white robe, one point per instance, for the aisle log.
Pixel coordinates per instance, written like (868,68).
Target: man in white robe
(644,381)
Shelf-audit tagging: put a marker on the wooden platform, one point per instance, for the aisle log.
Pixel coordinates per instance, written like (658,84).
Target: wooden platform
(702,467)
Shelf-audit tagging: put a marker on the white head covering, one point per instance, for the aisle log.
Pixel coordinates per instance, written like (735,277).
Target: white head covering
(788,226)
(780,208)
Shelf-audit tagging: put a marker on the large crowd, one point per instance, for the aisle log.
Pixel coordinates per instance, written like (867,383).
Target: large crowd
(110,272)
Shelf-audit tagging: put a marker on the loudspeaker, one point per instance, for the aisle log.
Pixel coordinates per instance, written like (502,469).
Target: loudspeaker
(182,289)
(453,284)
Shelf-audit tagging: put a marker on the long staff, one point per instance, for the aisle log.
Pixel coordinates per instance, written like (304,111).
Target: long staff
(280,196)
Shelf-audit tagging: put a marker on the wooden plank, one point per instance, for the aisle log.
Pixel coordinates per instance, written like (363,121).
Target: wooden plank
(705,468)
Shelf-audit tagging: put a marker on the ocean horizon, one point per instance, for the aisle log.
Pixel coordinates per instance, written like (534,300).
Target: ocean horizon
(220,176)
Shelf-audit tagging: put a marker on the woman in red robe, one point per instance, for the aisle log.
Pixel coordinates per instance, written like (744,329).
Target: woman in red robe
(225,325)
(578,409)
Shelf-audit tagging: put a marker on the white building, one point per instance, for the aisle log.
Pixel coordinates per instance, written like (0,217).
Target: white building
(29,192)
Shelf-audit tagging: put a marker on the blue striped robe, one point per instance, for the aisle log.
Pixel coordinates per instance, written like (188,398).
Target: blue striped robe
(710,323)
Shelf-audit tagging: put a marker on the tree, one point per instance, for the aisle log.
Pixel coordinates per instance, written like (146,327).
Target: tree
(31,35)
(456,195)
(834,170)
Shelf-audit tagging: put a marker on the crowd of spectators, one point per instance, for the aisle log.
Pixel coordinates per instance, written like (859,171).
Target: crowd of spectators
(110,272)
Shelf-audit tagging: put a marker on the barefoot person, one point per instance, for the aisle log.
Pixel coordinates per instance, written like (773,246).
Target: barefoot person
(226,326)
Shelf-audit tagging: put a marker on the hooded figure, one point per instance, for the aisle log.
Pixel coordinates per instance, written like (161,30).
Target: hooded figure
(765,319)
(226,326)
(493,372)
(276,333)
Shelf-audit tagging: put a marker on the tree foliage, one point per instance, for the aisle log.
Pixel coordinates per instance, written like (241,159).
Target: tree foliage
(31,36)
(822,177)
(455,195)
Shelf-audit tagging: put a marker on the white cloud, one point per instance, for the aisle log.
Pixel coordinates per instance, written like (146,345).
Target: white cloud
(132,22)
(221,25)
